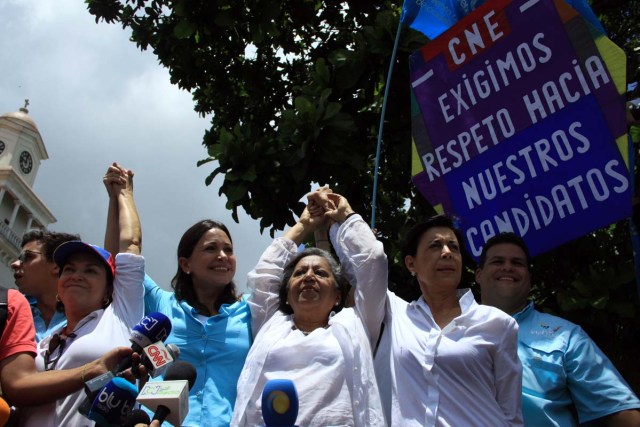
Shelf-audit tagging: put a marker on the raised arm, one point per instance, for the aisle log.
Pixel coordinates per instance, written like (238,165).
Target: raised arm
(265,279)
(363,260)
(123,222)
(112,232)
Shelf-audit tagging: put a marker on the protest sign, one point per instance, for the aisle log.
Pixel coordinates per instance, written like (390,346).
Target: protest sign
(519,124)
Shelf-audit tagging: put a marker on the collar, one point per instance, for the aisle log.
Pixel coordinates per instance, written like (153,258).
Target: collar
(525,312)
(465,299)
(32,300)
(86,319)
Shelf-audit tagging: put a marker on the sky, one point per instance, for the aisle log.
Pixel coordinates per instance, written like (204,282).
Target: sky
(97,99)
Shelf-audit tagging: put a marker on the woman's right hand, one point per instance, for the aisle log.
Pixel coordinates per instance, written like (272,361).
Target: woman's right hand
(117,179)
(338,207)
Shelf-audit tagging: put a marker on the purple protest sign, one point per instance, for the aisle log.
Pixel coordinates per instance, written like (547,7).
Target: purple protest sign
(516,116)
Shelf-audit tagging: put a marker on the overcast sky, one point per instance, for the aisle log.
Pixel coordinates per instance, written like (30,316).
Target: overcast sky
(97,99)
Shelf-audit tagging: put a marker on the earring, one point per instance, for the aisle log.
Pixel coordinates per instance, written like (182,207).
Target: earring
(58,298)
(337,303)
(286,302)
(413,274)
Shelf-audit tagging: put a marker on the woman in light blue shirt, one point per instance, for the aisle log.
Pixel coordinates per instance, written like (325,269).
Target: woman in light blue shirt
(211,324)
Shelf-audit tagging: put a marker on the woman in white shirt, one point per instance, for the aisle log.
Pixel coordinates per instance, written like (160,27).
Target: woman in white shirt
(303,332)
(102,298)
(443,359)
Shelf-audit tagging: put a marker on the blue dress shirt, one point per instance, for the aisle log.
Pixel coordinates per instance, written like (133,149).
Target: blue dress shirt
(564,369)
(58,321)
(217,349)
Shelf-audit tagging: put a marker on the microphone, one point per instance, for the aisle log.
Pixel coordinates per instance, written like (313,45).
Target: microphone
(137,416)
(113,403)
(280,403)
(169,399)
(157,357)
(5,412)
(150,329)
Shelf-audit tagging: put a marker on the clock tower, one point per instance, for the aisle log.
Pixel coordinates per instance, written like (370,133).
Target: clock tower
(21,151)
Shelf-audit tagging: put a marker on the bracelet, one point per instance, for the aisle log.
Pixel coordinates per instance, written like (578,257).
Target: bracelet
(349,216)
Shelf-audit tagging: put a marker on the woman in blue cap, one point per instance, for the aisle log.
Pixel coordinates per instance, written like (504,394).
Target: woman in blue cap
(102,298)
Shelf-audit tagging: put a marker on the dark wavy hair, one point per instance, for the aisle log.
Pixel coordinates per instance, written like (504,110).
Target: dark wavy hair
(182,283)
(341,281)
(50,240)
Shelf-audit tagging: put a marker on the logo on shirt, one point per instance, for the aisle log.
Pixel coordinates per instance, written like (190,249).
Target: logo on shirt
(547,330)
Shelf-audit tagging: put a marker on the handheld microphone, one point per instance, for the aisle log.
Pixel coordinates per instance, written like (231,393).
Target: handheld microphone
(150,329)
(280,403)
(169,399)
(5,412)
(157,357)
(113,403)
(137,416)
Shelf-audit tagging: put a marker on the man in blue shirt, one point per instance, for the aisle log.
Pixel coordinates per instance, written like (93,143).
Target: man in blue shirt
(565,374)
(36,276)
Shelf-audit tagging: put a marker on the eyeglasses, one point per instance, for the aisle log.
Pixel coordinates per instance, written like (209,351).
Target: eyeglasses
(59,343)
(27,255)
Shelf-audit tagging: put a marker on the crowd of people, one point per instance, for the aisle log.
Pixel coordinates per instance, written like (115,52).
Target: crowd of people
(357,354)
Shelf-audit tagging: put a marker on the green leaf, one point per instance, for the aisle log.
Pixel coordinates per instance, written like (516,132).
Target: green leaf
(235,191)
(332,109)
(303,105)
(204,161)
(322,71)
(184,29)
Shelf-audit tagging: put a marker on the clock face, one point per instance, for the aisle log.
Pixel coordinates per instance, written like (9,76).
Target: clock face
(2,147)
(26,162)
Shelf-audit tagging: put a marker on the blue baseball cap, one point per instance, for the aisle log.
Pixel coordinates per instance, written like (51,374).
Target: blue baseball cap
(64,251)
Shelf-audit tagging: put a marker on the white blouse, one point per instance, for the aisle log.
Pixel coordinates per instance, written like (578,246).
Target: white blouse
(466,374)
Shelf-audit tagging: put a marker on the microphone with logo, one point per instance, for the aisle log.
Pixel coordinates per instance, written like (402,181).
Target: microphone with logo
(169,399)
(113,403)
(157,358)
(152,328)
(280,403)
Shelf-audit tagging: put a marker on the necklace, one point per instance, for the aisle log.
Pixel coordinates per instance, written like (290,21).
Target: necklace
(294,327)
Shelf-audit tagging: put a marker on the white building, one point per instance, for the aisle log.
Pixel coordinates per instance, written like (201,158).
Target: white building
(21,151)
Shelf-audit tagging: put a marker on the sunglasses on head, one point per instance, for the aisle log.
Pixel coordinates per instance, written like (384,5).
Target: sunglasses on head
(56,343)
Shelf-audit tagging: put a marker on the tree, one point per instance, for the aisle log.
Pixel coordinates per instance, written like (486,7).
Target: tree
(295,88)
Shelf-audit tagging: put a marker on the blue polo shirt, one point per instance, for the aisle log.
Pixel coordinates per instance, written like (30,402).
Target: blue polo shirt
(563,368)
(58,321)
(217,349)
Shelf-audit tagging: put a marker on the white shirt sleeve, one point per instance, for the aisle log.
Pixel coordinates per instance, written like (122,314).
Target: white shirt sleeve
(128,291)
(508,375)
(365,264)
(264,282)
